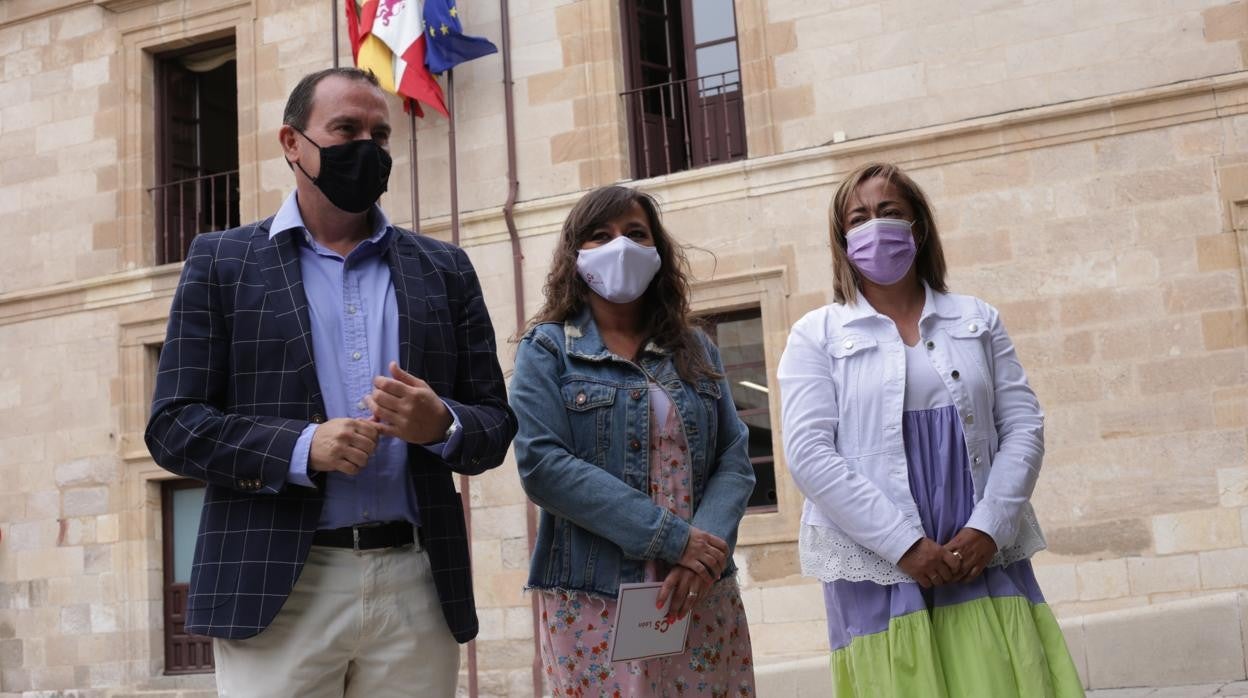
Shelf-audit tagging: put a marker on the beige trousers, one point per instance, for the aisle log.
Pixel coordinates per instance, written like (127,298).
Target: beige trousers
(356,625)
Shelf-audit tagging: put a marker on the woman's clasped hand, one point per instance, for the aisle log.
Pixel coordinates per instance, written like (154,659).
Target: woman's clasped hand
(960,560)
(703,562)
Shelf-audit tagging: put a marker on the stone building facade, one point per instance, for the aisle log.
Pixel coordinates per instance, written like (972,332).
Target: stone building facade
(1088,161)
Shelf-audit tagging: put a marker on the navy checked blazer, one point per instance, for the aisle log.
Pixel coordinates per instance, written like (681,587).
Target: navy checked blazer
(237,385)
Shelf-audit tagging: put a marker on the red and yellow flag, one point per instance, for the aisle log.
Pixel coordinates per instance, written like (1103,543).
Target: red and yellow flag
(388,38)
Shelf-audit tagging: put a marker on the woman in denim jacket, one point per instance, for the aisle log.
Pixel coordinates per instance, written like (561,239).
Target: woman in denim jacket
(911,430)
(630,443)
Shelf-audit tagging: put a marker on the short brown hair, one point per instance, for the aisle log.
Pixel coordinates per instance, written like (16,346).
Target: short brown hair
(299,103)
(929,263)
(668,321)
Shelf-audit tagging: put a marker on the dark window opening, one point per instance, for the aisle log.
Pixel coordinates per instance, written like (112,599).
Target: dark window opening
(739,336)
(196,146)
(180,504)
(683,100)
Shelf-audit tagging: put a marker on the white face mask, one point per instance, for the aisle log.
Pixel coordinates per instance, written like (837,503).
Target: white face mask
(620,270)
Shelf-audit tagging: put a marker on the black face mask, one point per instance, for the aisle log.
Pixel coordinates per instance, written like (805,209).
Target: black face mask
(353,175)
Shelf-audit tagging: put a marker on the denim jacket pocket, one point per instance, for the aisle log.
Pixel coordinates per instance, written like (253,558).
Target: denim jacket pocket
(971,327)
(847,345)
(971,344)
(704,446)
(589,408)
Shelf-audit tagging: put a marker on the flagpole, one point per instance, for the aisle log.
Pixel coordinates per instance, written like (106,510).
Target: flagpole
(333,13)
(450,138)
(415,173)
(473,688)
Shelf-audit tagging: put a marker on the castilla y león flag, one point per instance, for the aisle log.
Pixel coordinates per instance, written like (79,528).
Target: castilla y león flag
(388,38)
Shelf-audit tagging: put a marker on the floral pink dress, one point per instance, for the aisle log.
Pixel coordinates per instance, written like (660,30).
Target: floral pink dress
(576,626)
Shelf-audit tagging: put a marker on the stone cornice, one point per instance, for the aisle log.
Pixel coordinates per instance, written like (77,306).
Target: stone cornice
(123,5)
(100,292)
(16,12)
(1185,102)
(997,134)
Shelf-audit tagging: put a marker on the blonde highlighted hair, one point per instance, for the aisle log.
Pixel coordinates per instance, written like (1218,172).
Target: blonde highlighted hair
(929,263)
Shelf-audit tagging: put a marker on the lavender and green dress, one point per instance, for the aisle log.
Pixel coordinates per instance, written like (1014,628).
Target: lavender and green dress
(992,637)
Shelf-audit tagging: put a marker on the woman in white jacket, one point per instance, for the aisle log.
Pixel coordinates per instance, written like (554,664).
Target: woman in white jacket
(911,430)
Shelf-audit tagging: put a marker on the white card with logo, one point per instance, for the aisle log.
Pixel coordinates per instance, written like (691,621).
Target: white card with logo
(643,631)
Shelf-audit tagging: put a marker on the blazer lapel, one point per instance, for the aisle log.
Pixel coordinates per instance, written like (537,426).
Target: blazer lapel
(279,265)
(407,270)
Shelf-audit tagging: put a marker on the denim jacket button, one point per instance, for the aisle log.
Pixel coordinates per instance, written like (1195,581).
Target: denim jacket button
(580,398)
(635,445)
(636,394)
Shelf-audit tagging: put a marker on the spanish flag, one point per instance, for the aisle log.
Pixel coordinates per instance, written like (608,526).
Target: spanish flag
(388,38)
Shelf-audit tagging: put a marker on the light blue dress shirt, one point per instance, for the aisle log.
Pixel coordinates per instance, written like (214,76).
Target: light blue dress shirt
(355,336)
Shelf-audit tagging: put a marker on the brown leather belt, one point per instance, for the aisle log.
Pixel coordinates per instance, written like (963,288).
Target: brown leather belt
(392,534)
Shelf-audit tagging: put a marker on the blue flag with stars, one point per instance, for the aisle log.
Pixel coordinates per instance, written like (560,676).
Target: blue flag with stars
(448,46)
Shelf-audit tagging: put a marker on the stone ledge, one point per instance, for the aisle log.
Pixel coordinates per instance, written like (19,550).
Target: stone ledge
(1156,107)
(1190,641)
(1193,641)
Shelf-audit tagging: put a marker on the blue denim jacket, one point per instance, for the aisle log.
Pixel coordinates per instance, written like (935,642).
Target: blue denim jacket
(583,455)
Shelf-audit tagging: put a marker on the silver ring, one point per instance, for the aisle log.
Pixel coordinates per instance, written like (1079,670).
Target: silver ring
(956,554)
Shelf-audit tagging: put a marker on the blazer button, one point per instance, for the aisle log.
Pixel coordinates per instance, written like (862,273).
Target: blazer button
(635,445)
(955,375)
(318,418)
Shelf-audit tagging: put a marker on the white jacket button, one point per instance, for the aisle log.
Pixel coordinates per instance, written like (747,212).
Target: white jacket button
(972,327)
(848,344)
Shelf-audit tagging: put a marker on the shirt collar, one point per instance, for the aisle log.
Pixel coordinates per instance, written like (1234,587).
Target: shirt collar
(934,304)
(290,218)
(939,305)
(583,340)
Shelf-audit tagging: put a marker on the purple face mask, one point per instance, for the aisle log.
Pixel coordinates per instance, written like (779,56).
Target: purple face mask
(882,249)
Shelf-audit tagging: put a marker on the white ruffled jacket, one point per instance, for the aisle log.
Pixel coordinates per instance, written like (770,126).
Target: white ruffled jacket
(842,387)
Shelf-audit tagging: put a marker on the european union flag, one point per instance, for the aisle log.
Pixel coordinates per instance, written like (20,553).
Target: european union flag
(448,46)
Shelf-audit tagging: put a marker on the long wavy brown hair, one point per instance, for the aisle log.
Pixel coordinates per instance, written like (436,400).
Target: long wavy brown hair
(665,304)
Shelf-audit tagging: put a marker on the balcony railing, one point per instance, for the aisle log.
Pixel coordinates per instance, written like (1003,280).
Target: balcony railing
(187,207)
(684,124)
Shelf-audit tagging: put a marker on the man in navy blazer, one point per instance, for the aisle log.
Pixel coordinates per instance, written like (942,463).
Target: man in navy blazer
(325,373)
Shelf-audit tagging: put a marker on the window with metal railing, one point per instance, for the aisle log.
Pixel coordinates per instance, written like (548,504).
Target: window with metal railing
(684,99)
(196,170)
